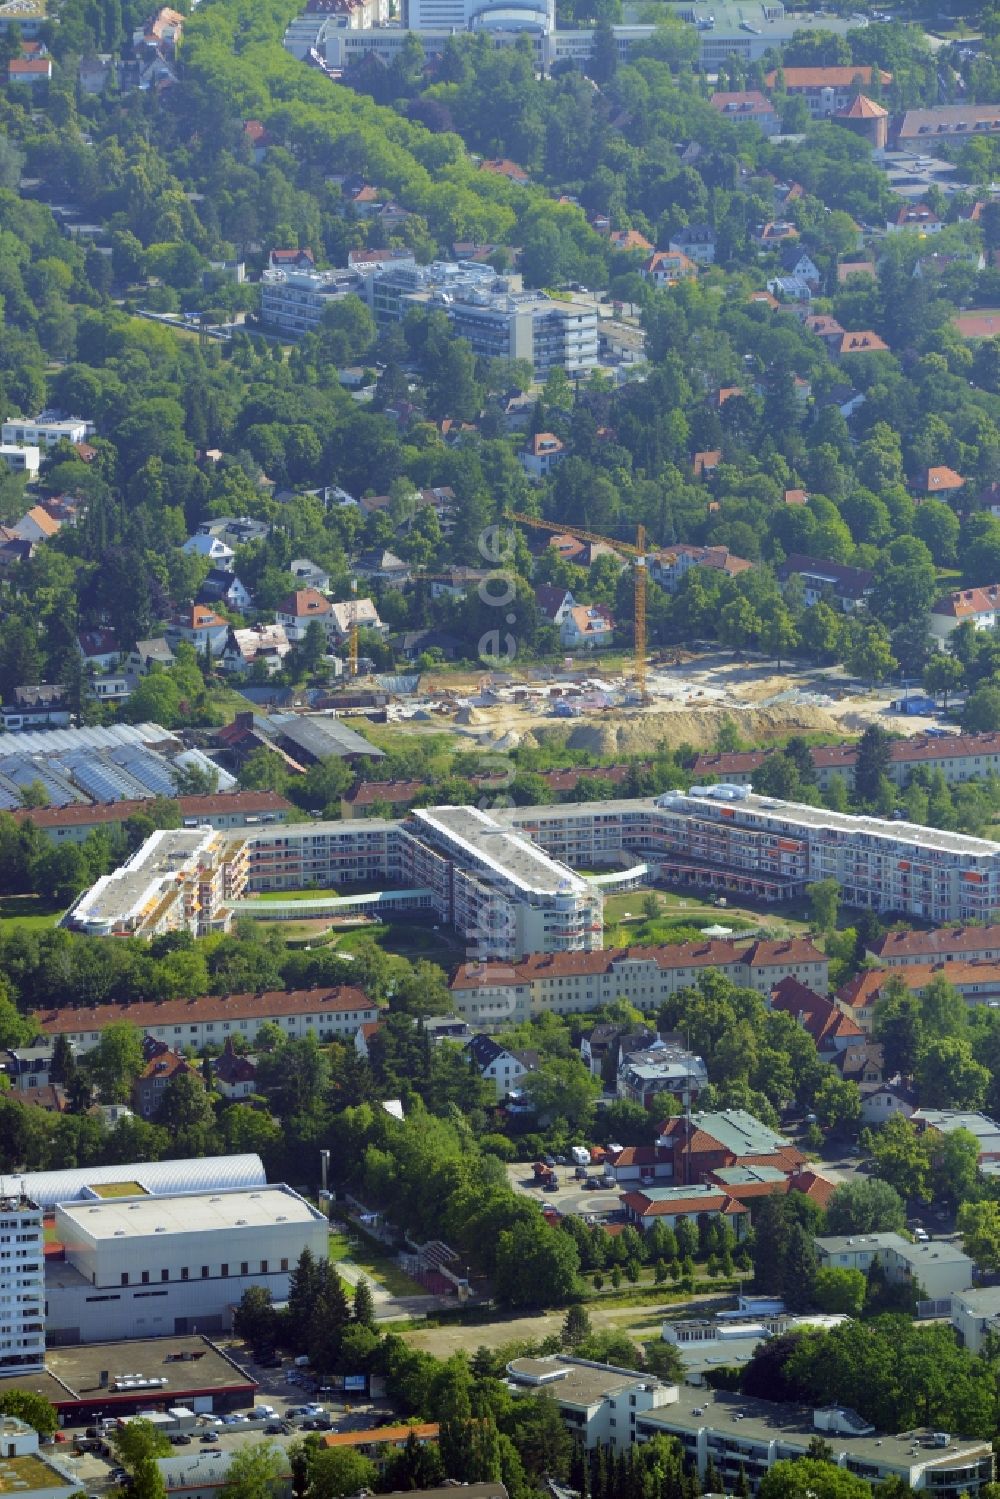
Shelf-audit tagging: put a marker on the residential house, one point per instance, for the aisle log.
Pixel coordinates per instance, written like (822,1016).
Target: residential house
(773,235)
(947,944)
(541,453)
(587,627)
(828,1026)
(219,553)
(828,91)
(201,627)
(500,1065)
(383,566)
(881,1102)
(747,107)
(148,653)
(825,327)
(865,342)
(916,216)
(938,483)
(151,1084)
(27,1068)
(381,1444)
(696,241)
(266,643)
(981,606)
(21,460)
(161,31)
(977,981)
(705,463)
(669,567)
(291,260)
(309,574)
(368,796)
(100,649)
(36,524)
(624,240)
(667,267)
(660,1068)
(796,497)
(847,586)
(360,612)
(297,610)
(939,1268)
(790,290)
(42,705)
(458,581)
(796,262)
(29,71)
(604,1045)
(234,1074)
(843,398)
(554,602)
(502,167)
(223,587)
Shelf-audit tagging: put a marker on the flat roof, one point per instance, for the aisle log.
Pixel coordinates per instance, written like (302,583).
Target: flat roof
(768,1421)
(194,1212)
(981,1301)
(72,1375)
(763,808)
(27,1474)
(512,857)
(164,855)
(582,1384)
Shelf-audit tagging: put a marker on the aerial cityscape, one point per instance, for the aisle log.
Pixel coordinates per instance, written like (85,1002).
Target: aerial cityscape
(499,749)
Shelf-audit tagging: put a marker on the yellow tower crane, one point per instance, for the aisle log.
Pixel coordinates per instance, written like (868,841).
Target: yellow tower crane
(637,552)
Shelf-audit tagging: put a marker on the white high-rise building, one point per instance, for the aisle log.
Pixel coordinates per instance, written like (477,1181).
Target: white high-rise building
(22,1282)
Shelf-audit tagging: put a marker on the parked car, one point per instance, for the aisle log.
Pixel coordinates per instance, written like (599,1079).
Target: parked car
(278,1428)
(180,1439)
(210,1436)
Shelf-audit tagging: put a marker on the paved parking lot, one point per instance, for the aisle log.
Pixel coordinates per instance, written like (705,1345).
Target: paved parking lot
(570,1197)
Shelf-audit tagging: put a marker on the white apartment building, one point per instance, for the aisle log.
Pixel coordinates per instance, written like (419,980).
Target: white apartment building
(295,300)
(146,1267)
(725,838)
(331,1014)
(498,994)
(600,1403)
(22,1285)
(939,1266)
(179,880)
(46,430)
(21,460)
(741,1435)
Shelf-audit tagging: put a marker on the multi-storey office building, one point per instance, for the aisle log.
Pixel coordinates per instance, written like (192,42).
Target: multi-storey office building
(22,1283)
(295,300)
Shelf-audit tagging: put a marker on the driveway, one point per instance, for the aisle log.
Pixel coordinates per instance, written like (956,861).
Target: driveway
(570,1198)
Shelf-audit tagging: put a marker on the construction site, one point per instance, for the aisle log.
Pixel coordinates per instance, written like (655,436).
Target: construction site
(594,705)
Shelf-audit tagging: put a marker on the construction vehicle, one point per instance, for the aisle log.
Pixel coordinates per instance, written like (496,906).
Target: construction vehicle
(638,553)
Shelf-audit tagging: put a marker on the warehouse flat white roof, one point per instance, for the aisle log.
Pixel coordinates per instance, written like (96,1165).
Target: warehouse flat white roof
(195,1212)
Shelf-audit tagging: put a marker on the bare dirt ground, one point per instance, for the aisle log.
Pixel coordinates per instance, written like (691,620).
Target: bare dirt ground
(691,697)
(641,1322)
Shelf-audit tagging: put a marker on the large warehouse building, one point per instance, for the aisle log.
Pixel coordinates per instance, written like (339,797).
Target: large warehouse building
(146,1267)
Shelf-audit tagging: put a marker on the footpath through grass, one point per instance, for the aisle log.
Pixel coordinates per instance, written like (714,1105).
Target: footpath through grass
(375,1260)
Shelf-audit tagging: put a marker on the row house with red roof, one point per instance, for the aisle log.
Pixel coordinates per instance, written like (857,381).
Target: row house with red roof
(495,994)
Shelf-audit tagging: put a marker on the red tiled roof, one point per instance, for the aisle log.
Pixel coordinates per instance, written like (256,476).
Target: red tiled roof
(248,803)
(30,67)
(863,108)
(863,990)
(832,77)
(341,999)
(701,954)
(939,942)
(715,1202)
(865,342)
(819,1188)
(304,602)
(964,603)
(817,1014)
(165,1064)
(939,480)
(502,167)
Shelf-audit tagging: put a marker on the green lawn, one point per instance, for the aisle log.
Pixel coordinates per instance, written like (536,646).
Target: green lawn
(375,1261)
(29,912)
(408,939)
(325,894)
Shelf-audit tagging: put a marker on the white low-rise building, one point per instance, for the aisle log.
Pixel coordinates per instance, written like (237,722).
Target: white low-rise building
(938,1268)
(46,430)
(144,1267)
(21,458)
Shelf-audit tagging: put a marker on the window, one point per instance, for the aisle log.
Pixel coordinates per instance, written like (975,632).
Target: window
(204,1272)
(184,1272)
(145,1277)
(224,1269)
(284,1264)
(245,1267)
(124,1277)
(164,1274)
(263,1267)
